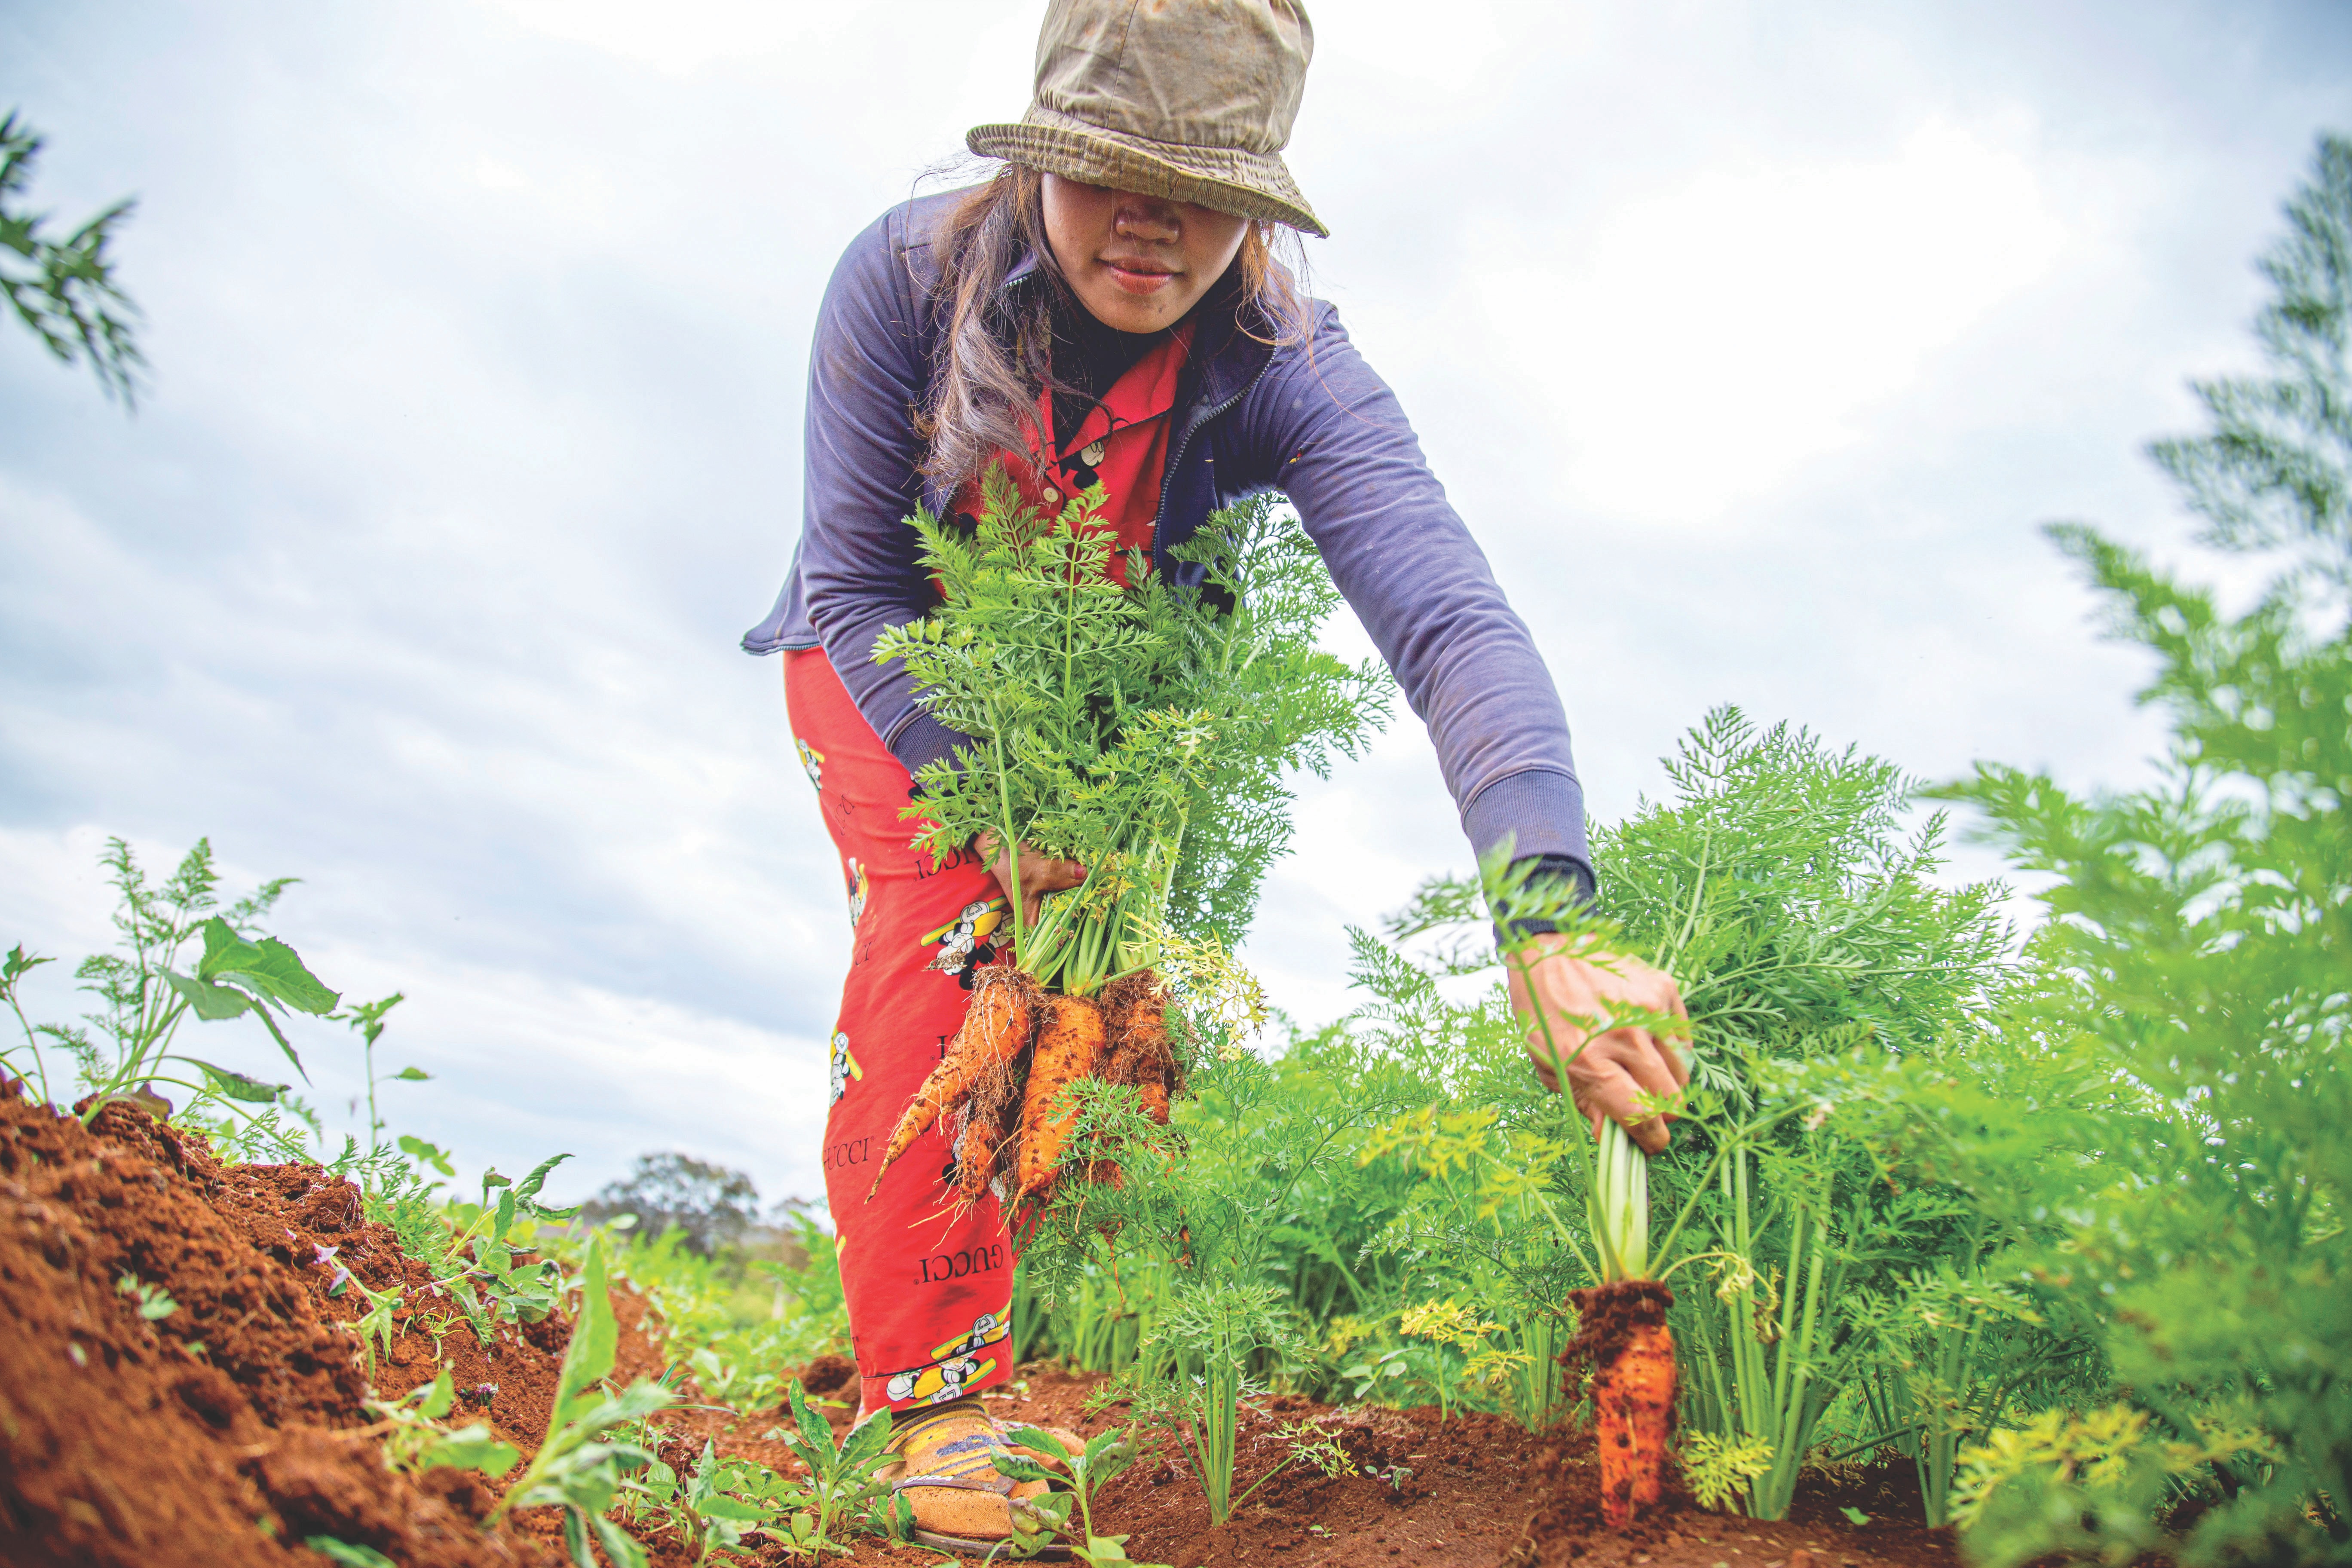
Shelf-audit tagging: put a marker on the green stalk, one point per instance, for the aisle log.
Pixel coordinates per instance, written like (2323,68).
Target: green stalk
(1213,1439)
(1621,1206)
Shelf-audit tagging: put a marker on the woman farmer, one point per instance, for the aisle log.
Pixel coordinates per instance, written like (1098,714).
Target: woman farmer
(1107,311)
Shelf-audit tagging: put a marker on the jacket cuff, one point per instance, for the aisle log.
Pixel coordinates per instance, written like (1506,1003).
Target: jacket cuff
(1539,812)
(923,740)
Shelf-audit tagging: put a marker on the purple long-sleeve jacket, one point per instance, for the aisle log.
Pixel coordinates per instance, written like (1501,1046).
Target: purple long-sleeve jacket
(1309,419)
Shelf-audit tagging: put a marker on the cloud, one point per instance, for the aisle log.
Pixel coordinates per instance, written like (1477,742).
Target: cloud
(1698,345)
(1752,342)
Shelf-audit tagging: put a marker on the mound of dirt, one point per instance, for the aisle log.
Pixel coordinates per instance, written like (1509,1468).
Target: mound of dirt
(222,1431)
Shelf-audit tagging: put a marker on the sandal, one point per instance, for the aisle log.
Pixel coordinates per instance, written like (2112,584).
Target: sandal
(946,1472)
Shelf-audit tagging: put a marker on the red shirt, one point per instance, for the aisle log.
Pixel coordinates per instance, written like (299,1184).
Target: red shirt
(1121,444)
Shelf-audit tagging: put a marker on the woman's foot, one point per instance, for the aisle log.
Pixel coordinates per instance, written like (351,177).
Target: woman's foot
(946,1472)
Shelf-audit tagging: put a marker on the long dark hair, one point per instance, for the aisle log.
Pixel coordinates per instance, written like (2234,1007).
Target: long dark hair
(993,361)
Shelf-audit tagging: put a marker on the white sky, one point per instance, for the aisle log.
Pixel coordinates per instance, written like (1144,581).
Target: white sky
(1754,341)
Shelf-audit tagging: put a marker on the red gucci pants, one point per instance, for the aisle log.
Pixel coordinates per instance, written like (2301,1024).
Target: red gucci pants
(930,1289)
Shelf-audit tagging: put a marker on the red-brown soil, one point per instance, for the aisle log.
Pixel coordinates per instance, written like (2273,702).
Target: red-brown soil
(228,1431)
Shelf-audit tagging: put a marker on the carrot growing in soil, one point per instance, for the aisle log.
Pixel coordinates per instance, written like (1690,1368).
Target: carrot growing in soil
(1623,1334)
(1141,728)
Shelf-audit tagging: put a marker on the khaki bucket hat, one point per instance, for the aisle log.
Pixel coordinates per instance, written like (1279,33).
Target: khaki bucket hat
(1187,100)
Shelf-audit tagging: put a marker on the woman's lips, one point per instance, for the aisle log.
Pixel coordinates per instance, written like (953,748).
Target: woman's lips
(1138,278)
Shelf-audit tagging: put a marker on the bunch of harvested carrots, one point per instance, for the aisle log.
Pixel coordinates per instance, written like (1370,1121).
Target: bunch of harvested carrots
(1007,1072)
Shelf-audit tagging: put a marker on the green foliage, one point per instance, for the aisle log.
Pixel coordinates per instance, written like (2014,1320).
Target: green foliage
(719,1503)
(64,291)
(1142,731)
(417,1440)
(1102,1459)
(144,996)
(841,1479)
(2197,1005)
(580,1467)
(738,1320)
(347,1554)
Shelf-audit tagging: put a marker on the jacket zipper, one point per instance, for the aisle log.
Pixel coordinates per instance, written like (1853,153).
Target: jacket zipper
(1183,443)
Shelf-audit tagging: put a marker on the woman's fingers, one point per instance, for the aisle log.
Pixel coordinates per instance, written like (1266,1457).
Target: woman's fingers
(1654,1065)
(1606,1090)
(1615,1074)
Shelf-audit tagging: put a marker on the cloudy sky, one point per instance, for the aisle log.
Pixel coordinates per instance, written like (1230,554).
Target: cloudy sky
(1754,341)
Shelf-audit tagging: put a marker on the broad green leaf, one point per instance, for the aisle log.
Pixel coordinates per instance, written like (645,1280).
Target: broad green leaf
(504,1221)
(209,1002)
(347,1554)
(814,1429)
(1038,1439)
(1022,1469)
(267,967)
(528,1188)
(723,1507)
(575,1535)
(439,1395)
(865,1443)
(588,1359)
(619,1546)
(417,1148)
(472,1449)
(236,1085)
(412,1075)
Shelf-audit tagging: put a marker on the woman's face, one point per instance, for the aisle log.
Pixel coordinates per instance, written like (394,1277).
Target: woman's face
(1138,262)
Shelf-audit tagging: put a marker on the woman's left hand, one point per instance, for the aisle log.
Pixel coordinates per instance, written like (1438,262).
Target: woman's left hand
(1040,873)
(1569,989)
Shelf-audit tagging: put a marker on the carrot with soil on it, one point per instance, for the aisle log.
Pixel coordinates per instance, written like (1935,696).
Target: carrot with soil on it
(1135,1016)
(1106,715)
(996,1028)
(1622,1333)
(1070,1037)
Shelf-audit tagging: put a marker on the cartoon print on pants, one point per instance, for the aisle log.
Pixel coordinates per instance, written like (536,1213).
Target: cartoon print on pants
(813,761)
(860,888)
(964,943)
(952,1365)
(844,1067)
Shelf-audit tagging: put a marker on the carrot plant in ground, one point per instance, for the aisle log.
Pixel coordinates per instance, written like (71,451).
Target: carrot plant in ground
(2197,956)
(1141,726)
(1777,885)
(1211,1214)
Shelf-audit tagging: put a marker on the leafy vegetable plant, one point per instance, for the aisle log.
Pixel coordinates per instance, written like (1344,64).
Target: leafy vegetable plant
(1102,1459)
(580,1467)
(2196,1003)
(841,1485)
(146,992)
(416,1439)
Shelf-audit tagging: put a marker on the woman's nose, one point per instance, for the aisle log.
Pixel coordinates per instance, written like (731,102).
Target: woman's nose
(1146,218)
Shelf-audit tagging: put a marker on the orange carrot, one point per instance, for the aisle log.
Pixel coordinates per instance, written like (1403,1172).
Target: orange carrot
(1623,1332)
(1069,1046)
(991,1119)
(1135,1012)
(995,1028)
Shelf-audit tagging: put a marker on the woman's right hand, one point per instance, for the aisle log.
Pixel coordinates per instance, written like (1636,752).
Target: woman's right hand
(1040,873)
